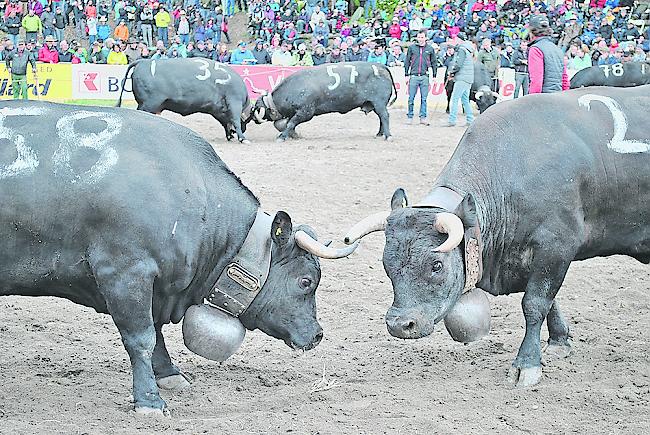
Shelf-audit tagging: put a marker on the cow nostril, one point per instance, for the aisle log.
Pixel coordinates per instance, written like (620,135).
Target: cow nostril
(409,326)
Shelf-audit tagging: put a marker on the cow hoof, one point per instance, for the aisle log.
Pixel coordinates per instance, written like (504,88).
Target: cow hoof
(173,382)
(246,142)
(389,139)
(525,377)
(280,140)
(557,351)
(152,412)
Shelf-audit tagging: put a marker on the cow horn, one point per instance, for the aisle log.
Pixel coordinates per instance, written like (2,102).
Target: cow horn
(450,224)
(374,222)
(307,242)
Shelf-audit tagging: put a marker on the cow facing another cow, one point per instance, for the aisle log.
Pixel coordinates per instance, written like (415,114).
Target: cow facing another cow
(564,177)
(188,86)
(331,88)
(138,218)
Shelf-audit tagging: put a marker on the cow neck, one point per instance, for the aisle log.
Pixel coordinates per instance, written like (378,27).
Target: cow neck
(243,278)
(449,199)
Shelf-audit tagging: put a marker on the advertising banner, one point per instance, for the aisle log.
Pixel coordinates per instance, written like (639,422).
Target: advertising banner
(53,80)
(99,82)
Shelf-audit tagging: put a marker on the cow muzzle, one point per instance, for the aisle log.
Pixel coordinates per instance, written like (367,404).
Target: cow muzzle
(407,324)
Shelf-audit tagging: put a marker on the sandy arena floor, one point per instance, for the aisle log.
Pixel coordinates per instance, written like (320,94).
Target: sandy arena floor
(64,369)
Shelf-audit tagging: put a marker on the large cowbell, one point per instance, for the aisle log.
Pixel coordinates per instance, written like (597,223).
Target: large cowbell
(469,319)
(211,333)
(213,330)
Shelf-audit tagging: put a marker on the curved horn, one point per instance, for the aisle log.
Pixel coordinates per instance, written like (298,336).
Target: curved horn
(307,242)
(450,224)
(374,222)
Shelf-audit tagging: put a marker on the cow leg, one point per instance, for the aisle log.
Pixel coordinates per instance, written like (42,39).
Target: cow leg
(226,127)
(293,122)
(538,298)
(384,129)
(235,119)
(558,334)
(168,376)
(127,288)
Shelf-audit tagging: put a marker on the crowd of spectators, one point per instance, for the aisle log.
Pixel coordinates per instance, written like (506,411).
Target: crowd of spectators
(287,32)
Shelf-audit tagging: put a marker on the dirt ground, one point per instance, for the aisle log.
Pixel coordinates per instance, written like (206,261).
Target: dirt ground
(64,369)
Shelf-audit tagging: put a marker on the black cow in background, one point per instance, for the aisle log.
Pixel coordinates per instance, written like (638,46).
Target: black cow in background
(330,88)
(188,86)
(621,75)
(481,92)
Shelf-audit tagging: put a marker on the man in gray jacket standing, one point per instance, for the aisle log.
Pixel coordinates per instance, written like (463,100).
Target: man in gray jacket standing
(461,71)
(420,57)
(16,63)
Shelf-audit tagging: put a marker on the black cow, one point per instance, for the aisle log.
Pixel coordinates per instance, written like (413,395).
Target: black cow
(330,88)
(515,205)
(481,92)
(137,217)
(188,86)
(621,75)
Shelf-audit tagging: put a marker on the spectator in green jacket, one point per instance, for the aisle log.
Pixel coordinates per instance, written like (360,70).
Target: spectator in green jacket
(302,57)
(32,24)
(16,62)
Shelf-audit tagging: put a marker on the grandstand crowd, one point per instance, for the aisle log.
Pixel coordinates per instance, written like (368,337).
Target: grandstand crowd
(290,32)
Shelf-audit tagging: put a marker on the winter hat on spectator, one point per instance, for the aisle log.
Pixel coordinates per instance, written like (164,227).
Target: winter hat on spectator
(539,26)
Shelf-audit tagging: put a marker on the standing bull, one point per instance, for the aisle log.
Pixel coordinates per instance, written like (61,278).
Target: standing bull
(328,88)
(481,92)
(188,86)
(515,205)
(621,75)
(96,211)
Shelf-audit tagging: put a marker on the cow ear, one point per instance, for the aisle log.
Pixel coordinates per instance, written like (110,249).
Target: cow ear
(281,228)
(399,199)
(466,211)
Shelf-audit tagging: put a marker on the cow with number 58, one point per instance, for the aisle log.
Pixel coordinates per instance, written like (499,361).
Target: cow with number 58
(332,88)
(188,86)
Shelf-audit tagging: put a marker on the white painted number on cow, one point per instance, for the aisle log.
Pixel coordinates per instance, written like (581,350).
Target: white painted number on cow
(337,76)
(353,73)
(153,68)
(71,142)
(205,67)
(643,66)
(617,69)
(375,70)
(26,162)
(618,143)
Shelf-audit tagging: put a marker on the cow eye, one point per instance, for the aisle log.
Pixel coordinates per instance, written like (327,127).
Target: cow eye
(437,266)
(305,283)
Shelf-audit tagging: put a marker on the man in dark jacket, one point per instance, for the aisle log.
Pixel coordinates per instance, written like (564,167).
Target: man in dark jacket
(545,59)
(260,53)
(520,61)
(354,53)
(16,63)
(199,51)
(420,57)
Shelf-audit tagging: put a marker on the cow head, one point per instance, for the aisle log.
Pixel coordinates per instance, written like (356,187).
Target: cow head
(422,260)
(264,109)
(285,308)
(485,97)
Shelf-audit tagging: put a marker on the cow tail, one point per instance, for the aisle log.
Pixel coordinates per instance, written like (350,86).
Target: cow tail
(126,76)
(392,81)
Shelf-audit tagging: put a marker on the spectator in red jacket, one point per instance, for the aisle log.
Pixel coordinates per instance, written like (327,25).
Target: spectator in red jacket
(48,52)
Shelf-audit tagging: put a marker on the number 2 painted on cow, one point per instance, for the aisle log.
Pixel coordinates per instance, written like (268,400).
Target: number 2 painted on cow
(618,143)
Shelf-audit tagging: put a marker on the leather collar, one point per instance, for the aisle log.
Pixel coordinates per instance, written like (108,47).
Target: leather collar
(268,101)
(449,199)
(243,278)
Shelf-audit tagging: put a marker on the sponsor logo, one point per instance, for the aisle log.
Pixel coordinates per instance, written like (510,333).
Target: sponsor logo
(88,81)
(43,88)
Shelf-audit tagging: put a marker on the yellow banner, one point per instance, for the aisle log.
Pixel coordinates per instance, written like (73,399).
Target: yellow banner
(54,82)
